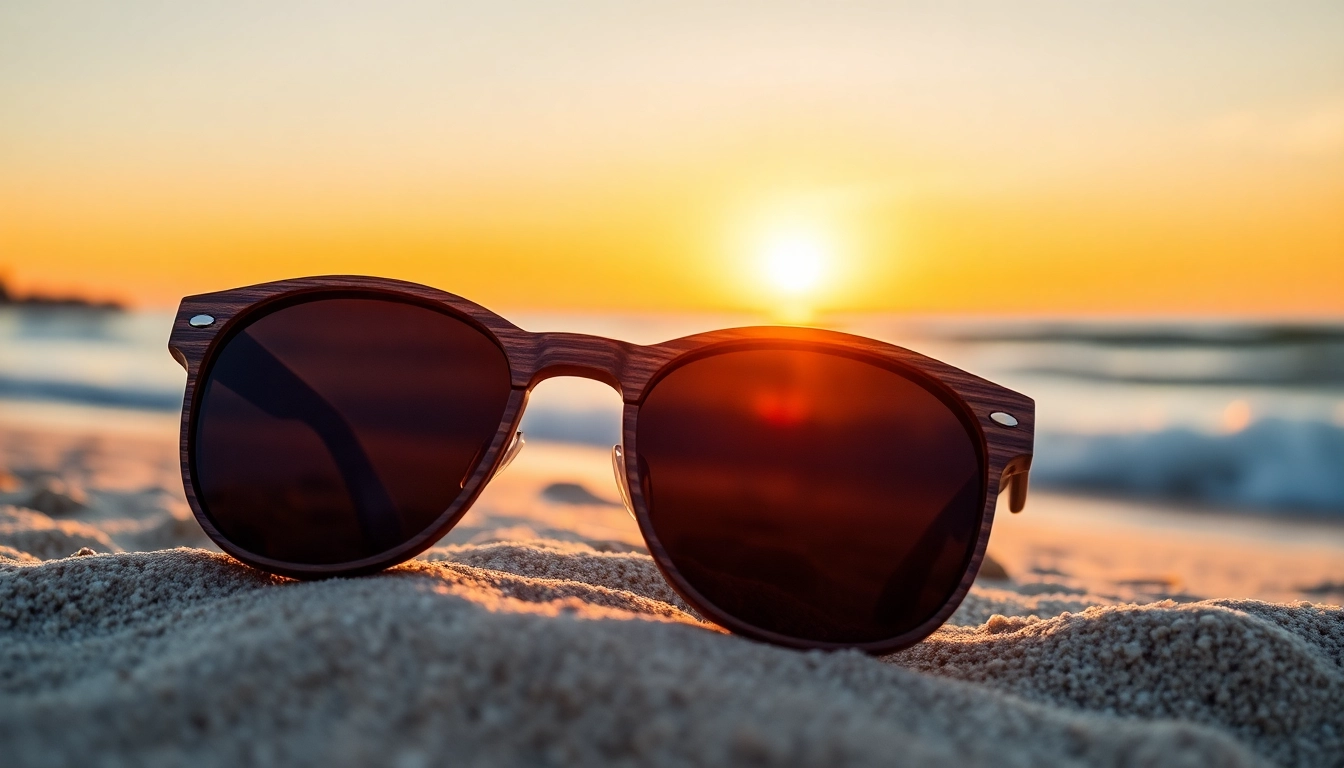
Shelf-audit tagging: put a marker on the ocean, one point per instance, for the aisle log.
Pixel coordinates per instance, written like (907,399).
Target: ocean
(1228,415)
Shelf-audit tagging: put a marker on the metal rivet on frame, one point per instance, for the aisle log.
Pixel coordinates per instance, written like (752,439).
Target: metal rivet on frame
(1003,419)
(202,321)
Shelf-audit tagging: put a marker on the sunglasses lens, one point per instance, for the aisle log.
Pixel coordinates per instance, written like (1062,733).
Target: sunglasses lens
(811,495)
(341,427)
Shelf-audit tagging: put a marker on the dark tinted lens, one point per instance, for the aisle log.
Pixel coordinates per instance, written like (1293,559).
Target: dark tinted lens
(809,494)
(339,428)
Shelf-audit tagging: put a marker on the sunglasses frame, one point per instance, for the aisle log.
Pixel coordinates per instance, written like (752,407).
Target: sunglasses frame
(630,369)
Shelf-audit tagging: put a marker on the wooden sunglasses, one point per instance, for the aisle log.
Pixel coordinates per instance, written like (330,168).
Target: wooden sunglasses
(804,487)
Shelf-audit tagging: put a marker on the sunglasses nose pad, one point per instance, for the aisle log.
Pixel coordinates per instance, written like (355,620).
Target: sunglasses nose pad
(618,467)
(510,453)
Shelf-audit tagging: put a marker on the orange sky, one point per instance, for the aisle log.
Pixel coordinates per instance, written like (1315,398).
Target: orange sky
(1046,158)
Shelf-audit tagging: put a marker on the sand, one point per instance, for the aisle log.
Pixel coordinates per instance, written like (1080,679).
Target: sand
(539,633)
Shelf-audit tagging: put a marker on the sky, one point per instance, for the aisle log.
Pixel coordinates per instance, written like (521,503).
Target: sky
(1032,158)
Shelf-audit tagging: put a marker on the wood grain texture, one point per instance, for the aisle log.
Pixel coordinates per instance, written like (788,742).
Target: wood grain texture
(629,368)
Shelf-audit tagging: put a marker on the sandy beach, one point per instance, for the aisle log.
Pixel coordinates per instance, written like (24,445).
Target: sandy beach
(539,632)
(921,240)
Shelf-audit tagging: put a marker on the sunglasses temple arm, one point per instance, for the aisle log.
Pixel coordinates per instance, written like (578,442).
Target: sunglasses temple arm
(1014,480)
(270,385)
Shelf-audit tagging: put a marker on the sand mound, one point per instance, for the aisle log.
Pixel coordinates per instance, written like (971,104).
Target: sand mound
(538,633)
(30,531)
(1270,674)
(554,653)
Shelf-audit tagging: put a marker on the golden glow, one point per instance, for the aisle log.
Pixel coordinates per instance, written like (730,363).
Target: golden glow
(789,161)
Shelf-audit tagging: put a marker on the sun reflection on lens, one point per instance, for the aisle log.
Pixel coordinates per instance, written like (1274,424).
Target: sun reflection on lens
(781,408)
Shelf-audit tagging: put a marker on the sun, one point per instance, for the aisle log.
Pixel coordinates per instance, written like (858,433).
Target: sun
(794,264)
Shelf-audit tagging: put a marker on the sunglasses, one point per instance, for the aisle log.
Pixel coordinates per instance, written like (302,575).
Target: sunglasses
(804,487)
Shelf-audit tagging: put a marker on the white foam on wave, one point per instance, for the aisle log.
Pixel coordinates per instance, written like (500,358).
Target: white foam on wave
(1273,464)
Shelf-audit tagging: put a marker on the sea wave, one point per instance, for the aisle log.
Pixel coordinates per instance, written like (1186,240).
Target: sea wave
(1213,334)
(600,427)
(1273,464)
(1231,355)
(83,393)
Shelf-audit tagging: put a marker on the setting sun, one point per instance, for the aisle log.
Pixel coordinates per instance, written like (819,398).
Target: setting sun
(795,264)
